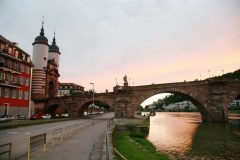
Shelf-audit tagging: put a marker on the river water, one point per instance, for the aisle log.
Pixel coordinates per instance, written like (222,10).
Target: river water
(183,136)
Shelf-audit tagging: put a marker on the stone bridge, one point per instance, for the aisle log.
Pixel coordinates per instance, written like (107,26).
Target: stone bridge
(212,97)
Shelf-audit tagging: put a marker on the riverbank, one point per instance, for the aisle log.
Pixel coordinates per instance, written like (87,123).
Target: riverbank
(129,138)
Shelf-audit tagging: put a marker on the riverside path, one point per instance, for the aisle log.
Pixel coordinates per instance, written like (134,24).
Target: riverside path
(79,146)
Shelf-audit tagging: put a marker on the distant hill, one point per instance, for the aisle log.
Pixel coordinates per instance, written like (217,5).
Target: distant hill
(229,76)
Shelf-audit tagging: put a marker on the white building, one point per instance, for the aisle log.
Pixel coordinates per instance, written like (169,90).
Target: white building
(180,106)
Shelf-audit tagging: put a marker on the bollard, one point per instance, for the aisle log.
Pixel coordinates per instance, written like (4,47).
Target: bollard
(29,147)
(53,137)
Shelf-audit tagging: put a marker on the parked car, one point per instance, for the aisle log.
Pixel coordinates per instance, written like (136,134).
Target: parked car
(6,118)
(36,116)
(65,115)
(21,117)
(46,116)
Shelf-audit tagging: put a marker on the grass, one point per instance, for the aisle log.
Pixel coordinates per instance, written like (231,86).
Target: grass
(134,146)
(235,111)
(20,123)
(130,141)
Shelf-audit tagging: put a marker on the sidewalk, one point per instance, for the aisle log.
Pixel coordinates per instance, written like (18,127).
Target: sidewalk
(77,147)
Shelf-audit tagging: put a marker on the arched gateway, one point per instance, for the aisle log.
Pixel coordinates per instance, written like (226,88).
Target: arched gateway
(212,97)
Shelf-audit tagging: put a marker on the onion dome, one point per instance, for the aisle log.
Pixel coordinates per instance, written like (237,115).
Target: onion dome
(54,47)
(41,39)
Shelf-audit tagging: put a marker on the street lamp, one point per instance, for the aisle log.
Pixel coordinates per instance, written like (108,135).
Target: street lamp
(93,97)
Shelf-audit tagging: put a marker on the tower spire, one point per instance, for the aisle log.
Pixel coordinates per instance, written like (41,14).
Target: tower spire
(42,30)
(54,39)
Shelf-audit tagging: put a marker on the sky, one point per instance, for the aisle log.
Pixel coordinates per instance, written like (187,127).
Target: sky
(150,41)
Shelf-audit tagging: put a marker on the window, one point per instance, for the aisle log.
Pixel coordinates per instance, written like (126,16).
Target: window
(22,68)
(21,80)
(26,82)
(20,94)
(26,95)
(28,59)
(27,69)
(7,77)
(2,46)
(1,75)
(8,64)
(6,92)
(23,95)
(16,53)
(13,93)
(14,79)
(16,66)
(10,50)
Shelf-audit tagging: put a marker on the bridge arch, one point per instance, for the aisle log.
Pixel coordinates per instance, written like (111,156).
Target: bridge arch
(196,102)
(97,103)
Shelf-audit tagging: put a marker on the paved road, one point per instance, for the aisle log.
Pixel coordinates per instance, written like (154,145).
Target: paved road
(19,136)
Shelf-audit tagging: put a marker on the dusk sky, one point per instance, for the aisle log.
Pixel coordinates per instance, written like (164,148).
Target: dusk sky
(151,41)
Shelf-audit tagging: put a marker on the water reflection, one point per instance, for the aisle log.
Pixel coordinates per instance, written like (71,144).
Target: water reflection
(185,137)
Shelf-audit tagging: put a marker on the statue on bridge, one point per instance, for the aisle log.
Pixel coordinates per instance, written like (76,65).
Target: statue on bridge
(125,80)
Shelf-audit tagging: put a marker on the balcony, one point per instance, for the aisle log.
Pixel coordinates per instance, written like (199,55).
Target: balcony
(9,84)
(8,68)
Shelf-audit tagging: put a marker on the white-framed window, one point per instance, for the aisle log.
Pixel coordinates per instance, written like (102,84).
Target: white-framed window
(10,50)
(16,66)
(6,92)
(21,80)
(26,82)
(25,95)
(16,53)
(7,76)
(22,68)
(27,69)
(14,93)
(8,64)
(19,94)
(14,79)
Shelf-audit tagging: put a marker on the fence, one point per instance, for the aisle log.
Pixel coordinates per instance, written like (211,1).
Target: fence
(57,135)
(54,137)
(36,141)
(6,149)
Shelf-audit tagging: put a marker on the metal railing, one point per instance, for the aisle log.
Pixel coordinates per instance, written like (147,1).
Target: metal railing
(6,149)
(36,141)
(52,138)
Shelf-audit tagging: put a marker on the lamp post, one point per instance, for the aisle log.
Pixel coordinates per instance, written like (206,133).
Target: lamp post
(93,96)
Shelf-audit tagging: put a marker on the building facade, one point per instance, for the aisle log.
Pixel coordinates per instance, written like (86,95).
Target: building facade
(67,89)
(15,78)
(45,71)
(180,106)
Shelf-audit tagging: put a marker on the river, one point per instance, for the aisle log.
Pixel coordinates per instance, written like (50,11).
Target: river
(183,136)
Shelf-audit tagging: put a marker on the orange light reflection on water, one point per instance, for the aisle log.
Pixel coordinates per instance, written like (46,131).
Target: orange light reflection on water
(173,132)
